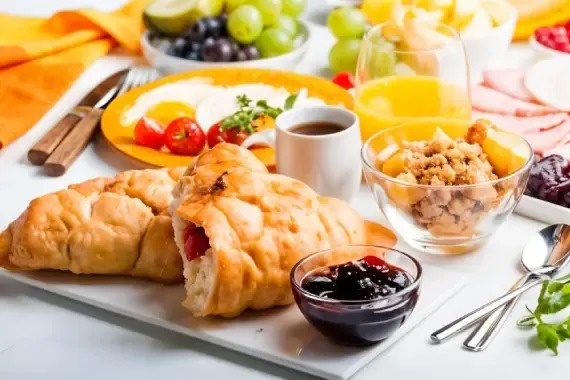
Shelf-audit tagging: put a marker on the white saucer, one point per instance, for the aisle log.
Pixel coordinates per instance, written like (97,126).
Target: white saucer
(549,82)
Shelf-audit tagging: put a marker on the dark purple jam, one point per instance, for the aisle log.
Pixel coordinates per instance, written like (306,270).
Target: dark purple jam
(359,280)
(368,279)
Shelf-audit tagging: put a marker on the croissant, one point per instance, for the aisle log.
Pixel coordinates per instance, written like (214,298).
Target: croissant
(240,230)
(114,226)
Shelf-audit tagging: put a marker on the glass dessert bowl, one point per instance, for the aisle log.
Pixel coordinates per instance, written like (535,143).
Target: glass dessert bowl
(446,187)
(357,294)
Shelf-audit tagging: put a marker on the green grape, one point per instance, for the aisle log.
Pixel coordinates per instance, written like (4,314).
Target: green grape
(270,10)
(382,59)
(294,7)
(347,22)
(273,42)
(344,55)
(233,4)
(206,8)
(245,24)
(288,24)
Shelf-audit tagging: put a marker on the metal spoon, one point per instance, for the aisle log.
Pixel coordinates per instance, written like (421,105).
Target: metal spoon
(484,333)
(545,254)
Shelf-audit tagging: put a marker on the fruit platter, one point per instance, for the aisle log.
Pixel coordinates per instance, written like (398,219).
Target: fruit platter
(306,184)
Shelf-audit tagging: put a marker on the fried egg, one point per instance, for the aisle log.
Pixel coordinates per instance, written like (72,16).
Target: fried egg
(206,103)
(179,98)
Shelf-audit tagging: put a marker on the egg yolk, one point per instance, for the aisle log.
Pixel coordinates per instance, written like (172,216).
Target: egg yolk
(163,113)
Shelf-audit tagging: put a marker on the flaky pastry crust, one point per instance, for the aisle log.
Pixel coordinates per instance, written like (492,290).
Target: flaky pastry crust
(259,225)
(113,226)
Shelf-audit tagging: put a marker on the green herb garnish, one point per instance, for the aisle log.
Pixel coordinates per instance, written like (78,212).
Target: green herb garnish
(554,297)
(243,118)
(290,101)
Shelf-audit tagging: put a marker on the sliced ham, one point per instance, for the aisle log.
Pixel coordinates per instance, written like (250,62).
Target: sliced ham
(562,149)
(522,125)
(545,141)
(509,82)
(489,100)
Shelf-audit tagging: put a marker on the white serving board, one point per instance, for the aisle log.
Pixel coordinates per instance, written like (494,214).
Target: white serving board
(542,211)
(281,336)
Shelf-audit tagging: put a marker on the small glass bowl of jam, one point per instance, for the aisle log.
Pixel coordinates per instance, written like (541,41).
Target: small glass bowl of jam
(357,294)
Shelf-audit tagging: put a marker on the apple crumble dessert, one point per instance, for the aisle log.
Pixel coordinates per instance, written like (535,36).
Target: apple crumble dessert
(447,206)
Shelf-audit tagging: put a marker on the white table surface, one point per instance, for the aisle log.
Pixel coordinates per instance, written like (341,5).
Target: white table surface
(42,334)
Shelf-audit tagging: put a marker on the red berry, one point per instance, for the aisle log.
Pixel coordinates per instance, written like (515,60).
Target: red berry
(559,31)
(565,48)
(541,32)
(344,79)
(196,243)
(374,261)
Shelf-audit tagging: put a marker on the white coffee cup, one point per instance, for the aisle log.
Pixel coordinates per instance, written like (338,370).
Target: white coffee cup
(328,163)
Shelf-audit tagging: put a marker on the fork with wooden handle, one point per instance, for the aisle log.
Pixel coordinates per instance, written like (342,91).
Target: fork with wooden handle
(77,139)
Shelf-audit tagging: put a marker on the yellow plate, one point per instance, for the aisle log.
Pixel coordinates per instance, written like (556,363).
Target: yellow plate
(121,137)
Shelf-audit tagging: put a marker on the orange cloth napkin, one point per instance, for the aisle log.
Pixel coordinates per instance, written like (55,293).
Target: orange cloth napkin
(41,58)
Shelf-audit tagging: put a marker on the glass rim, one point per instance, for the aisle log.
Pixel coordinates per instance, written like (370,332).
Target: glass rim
(454,35)
(414,285)
(371,167)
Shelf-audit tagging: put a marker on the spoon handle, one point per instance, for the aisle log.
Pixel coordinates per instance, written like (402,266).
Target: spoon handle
(470,318)
(484,333)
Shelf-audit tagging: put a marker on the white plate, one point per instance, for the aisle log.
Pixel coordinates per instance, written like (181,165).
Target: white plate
(542,211)
(281,336)
(549,82)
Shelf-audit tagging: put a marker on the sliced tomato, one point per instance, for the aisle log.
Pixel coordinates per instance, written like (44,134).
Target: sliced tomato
(149,133)
(185,137)
(344,79)
(196,243)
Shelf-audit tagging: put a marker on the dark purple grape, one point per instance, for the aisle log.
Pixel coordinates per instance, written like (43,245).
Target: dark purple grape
(235,47)
(223,18)
(195,46)
(240,56)
(197,32)
(251,52)
(214,27)
(219,51)
(208,43)
(179,47)
(194,56)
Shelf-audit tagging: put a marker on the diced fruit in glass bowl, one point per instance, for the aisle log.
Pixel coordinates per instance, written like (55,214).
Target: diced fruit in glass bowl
(550,180)
(224,31)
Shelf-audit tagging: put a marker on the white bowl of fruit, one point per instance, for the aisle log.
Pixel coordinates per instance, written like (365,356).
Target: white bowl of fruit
(549,42)
(185,35)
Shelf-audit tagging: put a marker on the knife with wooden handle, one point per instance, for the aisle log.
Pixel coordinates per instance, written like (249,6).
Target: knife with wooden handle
(75,141)
(48,143)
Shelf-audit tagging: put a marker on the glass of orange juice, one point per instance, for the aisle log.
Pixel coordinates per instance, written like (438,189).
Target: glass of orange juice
(409,70)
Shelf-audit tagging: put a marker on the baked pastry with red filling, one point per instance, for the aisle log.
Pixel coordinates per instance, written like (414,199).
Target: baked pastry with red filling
(241,229)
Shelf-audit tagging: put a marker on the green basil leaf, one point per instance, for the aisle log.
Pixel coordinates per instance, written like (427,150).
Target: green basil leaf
(554,287)
(565,289)
(290,101)
(548,336)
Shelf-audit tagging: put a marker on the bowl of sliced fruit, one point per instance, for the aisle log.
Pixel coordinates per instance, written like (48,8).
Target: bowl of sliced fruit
(187,35)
